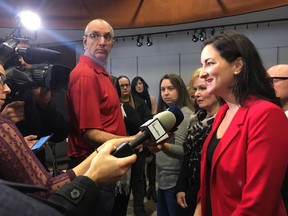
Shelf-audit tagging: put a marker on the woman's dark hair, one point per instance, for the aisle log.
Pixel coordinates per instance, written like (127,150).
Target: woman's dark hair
(179,85)
(253,80)
(145,94)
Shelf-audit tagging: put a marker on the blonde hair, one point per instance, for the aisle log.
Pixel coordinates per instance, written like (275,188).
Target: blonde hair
(194,75)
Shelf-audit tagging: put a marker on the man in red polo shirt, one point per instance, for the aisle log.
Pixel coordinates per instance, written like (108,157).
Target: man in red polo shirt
(93,103)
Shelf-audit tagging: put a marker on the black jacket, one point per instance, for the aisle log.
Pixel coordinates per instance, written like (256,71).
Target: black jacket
(75,198)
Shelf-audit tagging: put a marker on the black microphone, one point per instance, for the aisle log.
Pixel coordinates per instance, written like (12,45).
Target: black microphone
(38,55)
(155,129)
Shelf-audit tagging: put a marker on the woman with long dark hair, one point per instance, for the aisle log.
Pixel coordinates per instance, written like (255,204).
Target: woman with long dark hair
(244,157)
(140,88)
(172,92)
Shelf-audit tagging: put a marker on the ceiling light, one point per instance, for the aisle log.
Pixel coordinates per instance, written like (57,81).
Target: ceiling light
(195,38)
(149,40)
(29,20)
(139,41)
(202,36)
(212,31)
(221,30)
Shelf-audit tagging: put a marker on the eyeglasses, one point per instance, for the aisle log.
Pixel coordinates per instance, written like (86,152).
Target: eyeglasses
(96,36)
(277,79)
(124,85)
(3,79)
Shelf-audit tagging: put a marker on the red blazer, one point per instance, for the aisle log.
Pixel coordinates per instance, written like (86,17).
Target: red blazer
(249,163)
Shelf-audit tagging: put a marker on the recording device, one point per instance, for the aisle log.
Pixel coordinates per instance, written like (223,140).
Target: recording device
(38,55)
(154,129)
(31,55)
(53,77)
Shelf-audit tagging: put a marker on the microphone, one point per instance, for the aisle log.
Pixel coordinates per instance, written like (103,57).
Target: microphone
(38,55)
(179,116)
(155,129)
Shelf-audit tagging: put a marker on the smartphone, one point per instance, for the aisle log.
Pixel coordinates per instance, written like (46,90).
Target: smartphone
(40,142)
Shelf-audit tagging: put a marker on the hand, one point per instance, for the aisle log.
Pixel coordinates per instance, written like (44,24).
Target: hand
(181,200)
(105,169)
(14,111)
(30,140)
(155,149)
(197,211)
(42,96)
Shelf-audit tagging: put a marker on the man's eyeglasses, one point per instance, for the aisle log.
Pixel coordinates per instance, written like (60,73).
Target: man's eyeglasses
(3,79)
(96,36)
(277,79)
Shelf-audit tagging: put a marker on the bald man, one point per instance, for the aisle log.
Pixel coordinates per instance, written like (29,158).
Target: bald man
(279,75)
(93,103)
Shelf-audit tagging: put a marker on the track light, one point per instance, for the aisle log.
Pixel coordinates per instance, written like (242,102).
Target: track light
(149,40)
(221,30)
(212,31)
(139,41)
(195,38)
(202,36)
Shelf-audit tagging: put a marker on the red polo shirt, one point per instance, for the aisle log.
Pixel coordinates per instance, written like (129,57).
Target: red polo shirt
(92,103)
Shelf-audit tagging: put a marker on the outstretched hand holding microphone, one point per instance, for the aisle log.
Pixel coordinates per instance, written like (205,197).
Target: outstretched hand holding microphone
(156,129)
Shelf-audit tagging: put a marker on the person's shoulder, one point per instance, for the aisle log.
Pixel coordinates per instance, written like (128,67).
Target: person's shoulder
(5,121)
(152,98)
(138,99)
(262,107)
(186,109)
(261,104)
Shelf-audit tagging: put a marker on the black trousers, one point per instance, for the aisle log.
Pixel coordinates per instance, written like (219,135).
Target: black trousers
(137,181)
(151,172)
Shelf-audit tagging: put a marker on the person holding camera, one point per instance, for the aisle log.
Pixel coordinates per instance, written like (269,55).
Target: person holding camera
(35,115)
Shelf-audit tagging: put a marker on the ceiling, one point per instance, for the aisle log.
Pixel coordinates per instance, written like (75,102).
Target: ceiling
(64,20)
(123,14)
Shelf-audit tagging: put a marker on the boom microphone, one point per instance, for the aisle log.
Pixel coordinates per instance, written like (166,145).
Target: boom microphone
(155,129)
(38,55)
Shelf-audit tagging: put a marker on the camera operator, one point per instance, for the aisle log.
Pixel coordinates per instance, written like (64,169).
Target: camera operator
(36,115)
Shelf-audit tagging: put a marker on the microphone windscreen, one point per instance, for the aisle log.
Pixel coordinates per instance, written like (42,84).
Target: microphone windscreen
(39,55)
(167,119)
(178,115)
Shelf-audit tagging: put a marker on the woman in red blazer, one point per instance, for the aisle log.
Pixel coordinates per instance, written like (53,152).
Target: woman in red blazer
(245,156)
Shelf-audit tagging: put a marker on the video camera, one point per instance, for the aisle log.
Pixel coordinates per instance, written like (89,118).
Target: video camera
(53,77)
(20,80)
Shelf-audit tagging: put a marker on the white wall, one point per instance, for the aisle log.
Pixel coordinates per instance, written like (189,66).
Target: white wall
(176,53)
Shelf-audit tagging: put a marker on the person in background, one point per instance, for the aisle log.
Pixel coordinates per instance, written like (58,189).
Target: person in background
(35,115)
(94,108)
(244,157)
(135,113)
(188,182)
(279,76)
(140,88)
(172,92)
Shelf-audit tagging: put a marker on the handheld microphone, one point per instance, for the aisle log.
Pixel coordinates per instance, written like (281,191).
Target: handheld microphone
(38,55)
(155,129)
